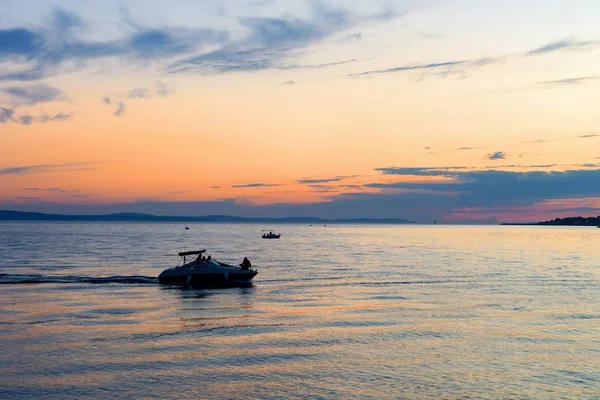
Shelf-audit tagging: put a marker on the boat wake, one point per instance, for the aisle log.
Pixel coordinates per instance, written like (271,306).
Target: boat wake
(16,279)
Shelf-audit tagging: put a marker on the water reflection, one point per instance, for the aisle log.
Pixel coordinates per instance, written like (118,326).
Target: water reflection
(374,312)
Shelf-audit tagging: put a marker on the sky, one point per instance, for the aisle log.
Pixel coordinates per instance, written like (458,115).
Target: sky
(455,110)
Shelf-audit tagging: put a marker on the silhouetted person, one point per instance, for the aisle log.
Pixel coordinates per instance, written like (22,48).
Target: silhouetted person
(246,263)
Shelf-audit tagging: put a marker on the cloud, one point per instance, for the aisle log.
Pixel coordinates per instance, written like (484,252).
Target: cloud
(34,94)
(10,115)
(51,189)
(26,119)
(162,90)
(58,117)
(45,168)
(449,67)
(499,155)
(120,109)
(6,115)
(45,52)
(313,181)
(570,81)
(255,185)
(422,171)
(493,187)
(273,41)
(446,65)
(63,44)
(563,45)
(23,198)
(539,141)
(139,93)
(591,135)
(20,42)
(316,181)
(289,83)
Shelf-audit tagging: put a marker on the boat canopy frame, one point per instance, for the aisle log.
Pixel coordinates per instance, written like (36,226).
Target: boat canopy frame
(191,253)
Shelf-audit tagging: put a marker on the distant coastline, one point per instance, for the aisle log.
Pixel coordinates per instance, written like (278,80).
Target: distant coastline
(7,215)
(570,221)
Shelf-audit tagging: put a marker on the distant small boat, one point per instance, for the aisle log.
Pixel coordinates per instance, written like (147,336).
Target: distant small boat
(270,235)
(187,229)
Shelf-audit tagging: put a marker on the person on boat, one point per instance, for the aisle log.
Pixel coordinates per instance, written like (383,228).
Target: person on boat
(208,258)
(246,264)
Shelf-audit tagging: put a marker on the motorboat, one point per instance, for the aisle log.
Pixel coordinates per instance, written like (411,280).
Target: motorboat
(270,235)
(206,271)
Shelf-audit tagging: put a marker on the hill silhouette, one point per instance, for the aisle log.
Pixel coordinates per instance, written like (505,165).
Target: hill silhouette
(8,215)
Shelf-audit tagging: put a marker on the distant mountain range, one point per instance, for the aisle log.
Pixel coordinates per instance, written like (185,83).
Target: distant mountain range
(570,221)
(7,215)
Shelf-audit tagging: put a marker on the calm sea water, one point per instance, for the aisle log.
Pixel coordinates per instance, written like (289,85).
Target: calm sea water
(335,312)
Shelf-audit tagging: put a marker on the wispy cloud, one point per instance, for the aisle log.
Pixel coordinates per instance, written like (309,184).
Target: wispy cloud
(45,52)
(273,43)
(461,67)
(255,185)
(120,109)
(139,93)
(46,168)
(317,181)
(564,45)
(63,45)
(446,64)
(161,90)
(570,81)
(423,171)
(33,94)
(10,115)
(313,181)
(589,136)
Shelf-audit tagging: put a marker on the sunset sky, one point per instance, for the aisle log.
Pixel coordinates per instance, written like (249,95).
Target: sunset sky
(450,110)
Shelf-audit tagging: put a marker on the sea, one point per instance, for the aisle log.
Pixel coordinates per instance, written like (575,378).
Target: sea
(335,312)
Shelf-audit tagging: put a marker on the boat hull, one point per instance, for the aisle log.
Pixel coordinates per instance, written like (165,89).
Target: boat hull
(210,279)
